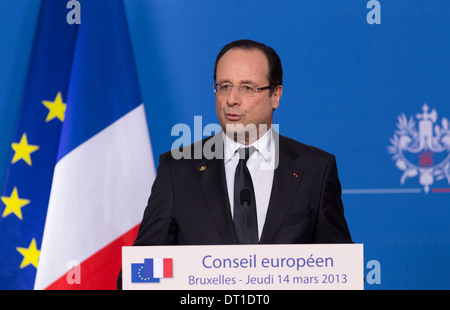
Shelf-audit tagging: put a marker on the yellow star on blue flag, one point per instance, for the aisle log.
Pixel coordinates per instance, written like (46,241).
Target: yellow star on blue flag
(56,108)
(14,204)
(30,255)
(23,150)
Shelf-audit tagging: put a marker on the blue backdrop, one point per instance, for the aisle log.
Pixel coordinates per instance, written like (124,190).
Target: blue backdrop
(352,87)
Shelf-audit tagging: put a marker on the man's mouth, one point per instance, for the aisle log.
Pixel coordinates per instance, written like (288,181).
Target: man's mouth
(233,116)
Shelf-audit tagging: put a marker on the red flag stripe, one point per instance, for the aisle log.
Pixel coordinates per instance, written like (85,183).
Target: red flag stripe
(168,272)
(100,271)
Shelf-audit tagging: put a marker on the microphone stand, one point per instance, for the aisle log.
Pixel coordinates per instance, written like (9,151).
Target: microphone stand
(245,202)
(245,205)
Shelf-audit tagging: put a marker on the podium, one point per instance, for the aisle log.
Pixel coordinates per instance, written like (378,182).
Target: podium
(244,267)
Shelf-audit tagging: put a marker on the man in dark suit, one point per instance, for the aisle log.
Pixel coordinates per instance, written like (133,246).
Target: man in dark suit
(192,199)
(283,192)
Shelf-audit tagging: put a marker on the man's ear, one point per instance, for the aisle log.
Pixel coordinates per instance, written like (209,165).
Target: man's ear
(276,96)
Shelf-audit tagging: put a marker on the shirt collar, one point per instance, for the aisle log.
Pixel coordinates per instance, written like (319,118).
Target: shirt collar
(263,145)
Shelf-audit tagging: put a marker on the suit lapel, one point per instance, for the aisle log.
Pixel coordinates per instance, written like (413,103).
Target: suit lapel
(286,179)
(211,177)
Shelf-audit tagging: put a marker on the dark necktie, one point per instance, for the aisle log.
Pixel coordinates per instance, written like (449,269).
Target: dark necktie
(245,221)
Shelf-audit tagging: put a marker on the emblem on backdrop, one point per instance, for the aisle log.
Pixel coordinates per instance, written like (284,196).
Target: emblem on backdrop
(420,147)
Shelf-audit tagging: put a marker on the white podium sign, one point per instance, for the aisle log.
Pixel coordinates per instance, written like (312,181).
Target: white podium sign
(244,267)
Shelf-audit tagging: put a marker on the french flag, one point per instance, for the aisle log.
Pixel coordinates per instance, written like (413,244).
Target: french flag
(158,267)
(105,167)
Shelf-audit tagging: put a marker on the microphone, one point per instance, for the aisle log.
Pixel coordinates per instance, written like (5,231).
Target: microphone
(246,199)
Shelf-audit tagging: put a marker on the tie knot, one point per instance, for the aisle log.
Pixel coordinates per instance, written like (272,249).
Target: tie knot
(245,153)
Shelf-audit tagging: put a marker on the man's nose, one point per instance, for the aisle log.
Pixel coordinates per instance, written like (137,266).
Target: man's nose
(234,97)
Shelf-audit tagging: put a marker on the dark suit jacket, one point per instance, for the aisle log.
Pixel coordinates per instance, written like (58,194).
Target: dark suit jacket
(189,205)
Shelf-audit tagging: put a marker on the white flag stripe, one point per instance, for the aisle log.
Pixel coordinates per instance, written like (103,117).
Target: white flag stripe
(99,192)
(158,268)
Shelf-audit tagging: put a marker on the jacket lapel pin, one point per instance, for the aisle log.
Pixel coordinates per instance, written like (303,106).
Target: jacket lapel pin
(202,168)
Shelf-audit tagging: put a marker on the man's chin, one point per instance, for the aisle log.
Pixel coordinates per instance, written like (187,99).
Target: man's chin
(241,133)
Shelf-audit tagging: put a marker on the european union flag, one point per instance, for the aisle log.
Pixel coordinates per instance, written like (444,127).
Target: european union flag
(141,273)
(24,199)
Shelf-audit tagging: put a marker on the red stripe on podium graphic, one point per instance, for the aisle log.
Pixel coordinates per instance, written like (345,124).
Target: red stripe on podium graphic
(99,271)
(167,267)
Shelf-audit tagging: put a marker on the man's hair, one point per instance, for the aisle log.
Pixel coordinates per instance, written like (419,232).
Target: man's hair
(275,70)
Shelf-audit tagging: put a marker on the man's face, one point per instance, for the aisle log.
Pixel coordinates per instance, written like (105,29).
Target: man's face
(238,67)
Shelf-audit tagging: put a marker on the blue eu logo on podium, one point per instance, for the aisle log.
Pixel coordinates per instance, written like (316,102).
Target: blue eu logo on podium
(152,270)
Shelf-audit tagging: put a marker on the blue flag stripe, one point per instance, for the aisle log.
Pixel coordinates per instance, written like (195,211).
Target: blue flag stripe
(99,92)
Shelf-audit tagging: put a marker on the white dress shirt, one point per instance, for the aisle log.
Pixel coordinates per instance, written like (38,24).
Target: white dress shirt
(259,166)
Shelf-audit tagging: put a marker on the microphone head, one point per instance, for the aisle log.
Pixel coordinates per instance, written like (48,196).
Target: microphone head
(246,197)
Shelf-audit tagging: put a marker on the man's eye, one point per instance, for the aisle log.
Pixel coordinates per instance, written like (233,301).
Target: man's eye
(224,86)
(248,88)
